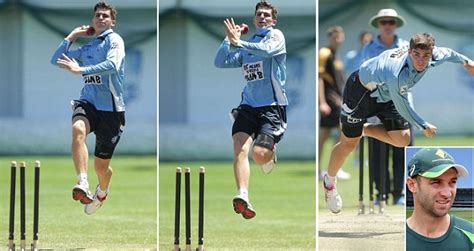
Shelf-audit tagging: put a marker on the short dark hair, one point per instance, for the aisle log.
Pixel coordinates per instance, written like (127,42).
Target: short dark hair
(267,5)
(334,29)
(104,5)
(424,41)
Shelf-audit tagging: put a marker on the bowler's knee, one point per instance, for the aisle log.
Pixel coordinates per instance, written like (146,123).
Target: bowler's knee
(261,155)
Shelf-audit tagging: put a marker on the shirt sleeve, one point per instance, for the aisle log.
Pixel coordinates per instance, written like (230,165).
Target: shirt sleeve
(113,61)
(227,57)
(443,54)
(399,95)
(267,47)
(63,48)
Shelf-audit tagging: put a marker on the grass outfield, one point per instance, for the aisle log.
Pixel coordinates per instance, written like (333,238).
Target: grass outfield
(350,189)
(284,201)
(127,220)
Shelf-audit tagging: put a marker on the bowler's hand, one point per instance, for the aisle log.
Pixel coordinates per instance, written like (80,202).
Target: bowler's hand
(69,64)
(430,130)
(80,31)
(232,31)
(469,67)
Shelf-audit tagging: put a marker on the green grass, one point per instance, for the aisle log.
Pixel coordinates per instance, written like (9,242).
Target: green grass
(284,201)
(127,220)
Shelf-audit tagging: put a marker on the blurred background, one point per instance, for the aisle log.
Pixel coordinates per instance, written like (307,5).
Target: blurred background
(444,97)
(35,96)
(196,97)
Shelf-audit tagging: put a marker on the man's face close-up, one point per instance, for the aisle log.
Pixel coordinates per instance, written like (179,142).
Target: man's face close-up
(436,195)
(420,58)
(387,27)
(102,20)
(264,18)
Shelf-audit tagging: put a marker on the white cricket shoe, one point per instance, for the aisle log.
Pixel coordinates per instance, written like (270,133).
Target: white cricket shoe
(332,198)
(242,206)
(342,175)
(268,167)
(95,205)
(82,193)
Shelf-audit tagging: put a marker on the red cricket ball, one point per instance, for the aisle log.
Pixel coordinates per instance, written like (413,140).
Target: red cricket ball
(244,28)
(90,31)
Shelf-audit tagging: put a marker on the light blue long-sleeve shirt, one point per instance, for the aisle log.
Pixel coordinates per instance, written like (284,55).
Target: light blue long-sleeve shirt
(391,75)
(263,62)
(102,63)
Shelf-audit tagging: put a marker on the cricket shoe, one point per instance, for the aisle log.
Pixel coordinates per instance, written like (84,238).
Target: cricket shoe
(95,205)
(82,193)
(332,198)
(243,206)
(342,175)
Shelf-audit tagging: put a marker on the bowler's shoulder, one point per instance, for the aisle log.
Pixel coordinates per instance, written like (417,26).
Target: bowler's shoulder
(115,36)
(276,34)
(115,40)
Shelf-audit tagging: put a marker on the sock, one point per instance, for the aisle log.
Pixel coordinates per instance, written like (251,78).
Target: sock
(244,192)
(329,181)
(82,179)
(101,194)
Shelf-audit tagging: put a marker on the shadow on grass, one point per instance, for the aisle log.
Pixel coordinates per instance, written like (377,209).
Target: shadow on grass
(354,235)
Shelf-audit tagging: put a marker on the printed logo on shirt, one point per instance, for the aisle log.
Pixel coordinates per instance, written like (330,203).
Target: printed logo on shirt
(403,89)
(114,45)
(275,37)
(92,80)
(253,71)
(398,53)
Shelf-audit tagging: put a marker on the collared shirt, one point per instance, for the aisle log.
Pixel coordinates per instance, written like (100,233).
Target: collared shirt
(102,63)
(263,62)
(459,236)
(391,74)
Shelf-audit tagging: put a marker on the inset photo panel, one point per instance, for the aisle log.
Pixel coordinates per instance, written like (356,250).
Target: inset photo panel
(439,198)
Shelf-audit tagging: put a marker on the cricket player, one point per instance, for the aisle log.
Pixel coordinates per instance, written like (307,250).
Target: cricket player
(432,177)
(387,21)
(380,89)
(260,119)
(100,108)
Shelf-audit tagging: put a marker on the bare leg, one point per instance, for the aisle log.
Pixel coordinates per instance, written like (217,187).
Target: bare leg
(261,155)
(398,138)
(80,155)
(339,153)
(242,142)
(103,171)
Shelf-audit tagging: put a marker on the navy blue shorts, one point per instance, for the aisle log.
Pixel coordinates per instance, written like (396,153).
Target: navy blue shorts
(267,120)
(107,126)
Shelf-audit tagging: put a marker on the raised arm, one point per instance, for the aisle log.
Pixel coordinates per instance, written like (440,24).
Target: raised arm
(267,47)
(227,57)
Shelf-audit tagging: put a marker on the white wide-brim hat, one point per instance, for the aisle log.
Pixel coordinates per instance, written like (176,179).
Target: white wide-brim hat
(387,13)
